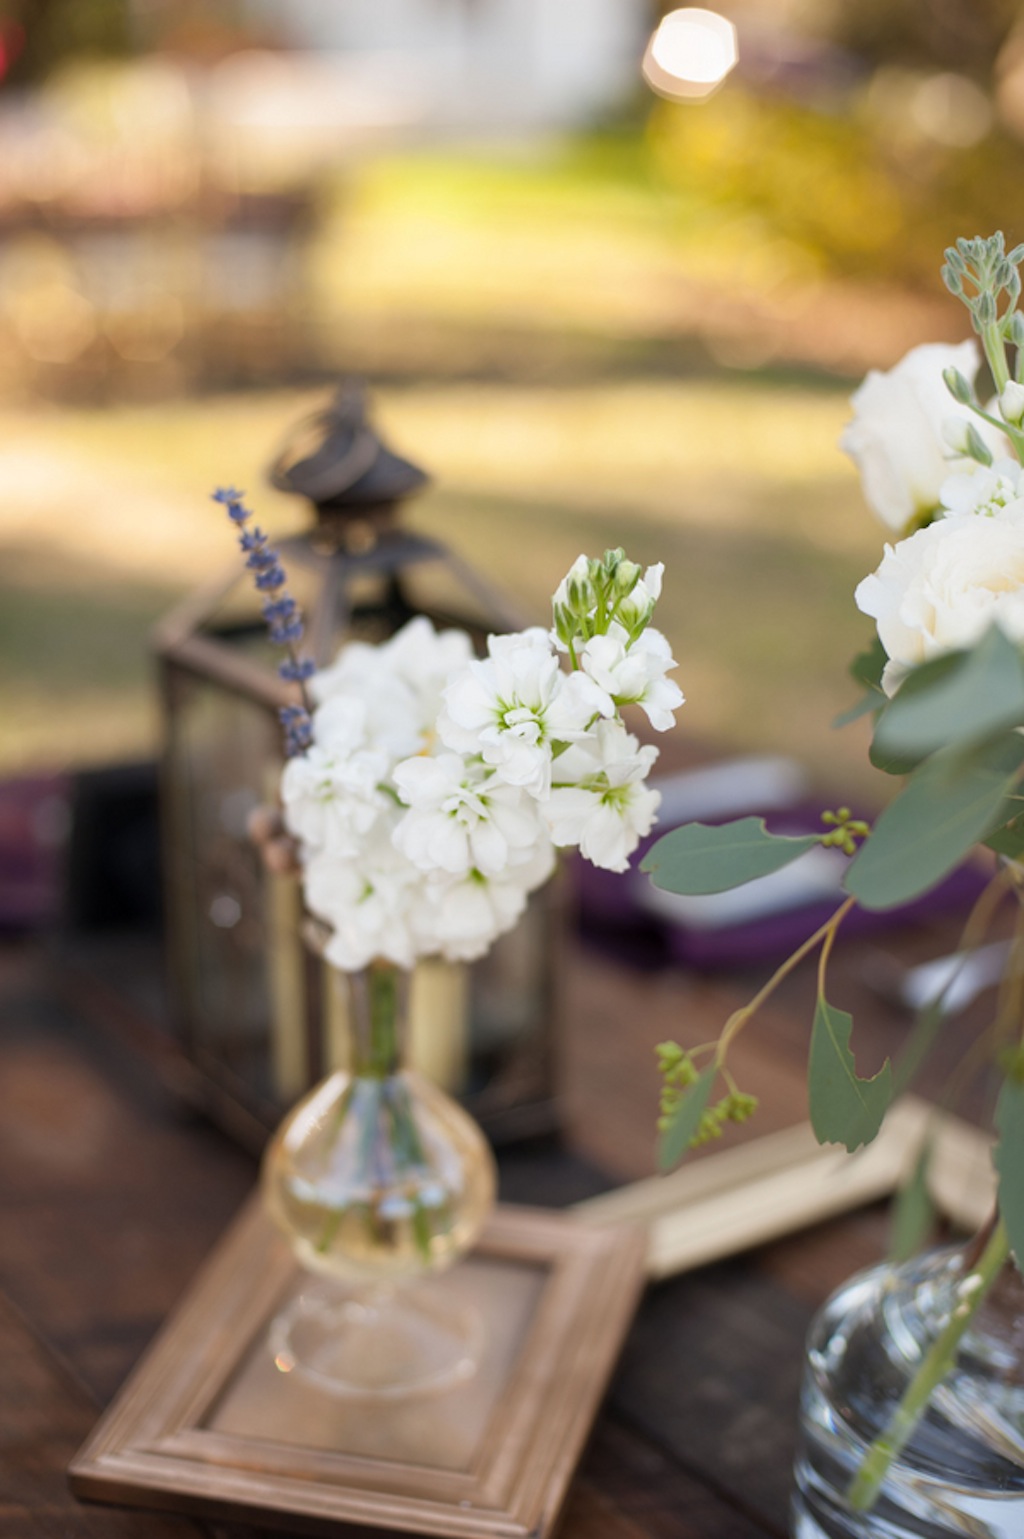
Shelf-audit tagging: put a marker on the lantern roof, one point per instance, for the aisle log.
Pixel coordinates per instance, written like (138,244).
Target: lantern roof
(339,461)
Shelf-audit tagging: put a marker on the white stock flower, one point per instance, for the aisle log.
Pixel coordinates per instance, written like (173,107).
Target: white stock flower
(367,903)
(461,919)
(400,682)
(634,675)
(639,604)
(512,705)
(332,801)
(602,805)
(943,587)
(982,489)
(896,436)
(392,717)
(462,817)
(578,573)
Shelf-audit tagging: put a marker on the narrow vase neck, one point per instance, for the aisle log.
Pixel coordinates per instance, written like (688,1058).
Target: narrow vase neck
(378,1003)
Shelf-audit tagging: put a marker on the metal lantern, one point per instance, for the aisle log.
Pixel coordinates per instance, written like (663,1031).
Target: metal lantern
(260,1016)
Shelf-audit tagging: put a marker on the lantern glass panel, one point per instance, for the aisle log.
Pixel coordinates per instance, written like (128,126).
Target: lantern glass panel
(224,758)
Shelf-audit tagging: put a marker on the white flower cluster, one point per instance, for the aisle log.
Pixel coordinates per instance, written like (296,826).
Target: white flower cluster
(437,785)
(944,584)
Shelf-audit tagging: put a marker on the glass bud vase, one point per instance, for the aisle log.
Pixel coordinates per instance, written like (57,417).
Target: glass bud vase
(379,1180)
(962,1470)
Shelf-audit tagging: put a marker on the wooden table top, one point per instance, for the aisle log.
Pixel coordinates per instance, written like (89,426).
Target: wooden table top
(110,1199)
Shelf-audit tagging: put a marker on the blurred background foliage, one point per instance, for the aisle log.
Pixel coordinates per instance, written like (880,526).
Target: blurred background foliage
(596,316)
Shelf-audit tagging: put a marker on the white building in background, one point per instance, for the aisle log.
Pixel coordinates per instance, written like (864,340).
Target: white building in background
(471,65)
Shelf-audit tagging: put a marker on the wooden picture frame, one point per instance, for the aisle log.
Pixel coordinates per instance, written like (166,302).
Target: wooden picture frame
(189,1432)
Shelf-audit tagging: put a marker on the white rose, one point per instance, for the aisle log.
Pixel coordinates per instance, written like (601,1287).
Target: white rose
(943,587)
(896,436)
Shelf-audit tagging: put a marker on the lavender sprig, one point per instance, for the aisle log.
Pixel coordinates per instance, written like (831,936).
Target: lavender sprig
(282,614)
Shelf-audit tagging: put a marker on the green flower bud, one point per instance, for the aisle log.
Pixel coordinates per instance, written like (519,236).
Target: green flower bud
(565,623)
(985,308)
(1016,255)
(627,575)
(958,386)
(951,278)
(954,260)
(1011,404)
(977,448)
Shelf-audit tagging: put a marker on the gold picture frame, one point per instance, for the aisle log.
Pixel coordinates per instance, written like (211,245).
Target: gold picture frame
(207,1425)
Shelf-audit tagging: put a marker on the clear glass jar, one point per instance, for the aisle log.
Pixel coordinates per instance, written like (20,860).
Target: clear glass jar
(961,1473)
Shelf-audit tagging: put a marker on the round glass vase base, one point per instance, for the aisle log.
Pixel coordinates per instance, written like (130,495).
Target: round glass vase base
(378,1344)
(961,1475)
(955,1515)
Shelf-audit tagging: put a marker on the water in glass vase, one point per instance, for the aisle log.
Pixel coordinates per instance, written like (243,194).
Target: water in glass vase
(962,1471)
(378,1179)
(374,1180)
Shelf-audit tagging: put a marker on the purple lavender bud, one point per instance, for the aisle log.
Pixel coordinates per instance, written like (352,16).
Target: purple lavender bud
(261,559)
(252,539)
(295,672)
(277,610)
(272,578)
(298,729)
(227,495)
(286,632)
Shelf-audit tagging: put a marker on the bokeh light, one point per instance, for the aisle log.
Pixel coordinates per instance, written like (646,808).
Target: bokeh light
(690,53)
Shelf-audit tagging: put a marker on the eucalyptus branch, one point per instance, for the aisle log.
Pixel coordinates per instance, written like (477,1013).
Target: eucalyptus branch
(739,1018)
(1007,1018)
(975,927)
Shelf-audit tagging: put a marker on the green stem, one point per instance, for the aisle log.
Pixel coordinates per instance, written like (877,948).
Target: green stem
(995,352)
(936,1364)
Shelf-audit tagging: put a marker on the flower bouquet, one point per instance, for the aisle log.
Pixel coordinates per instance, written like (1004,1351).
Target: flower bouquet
(425,796)
(913,1406)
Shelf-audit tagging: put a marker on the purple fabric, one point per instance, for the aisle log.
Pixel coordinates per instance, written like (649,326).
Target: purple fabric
(34,816)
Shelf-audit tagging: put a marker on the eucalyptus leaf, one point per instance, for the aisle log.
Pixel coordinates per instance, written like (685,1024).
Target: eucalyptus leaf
(844,1109)
(1009,1162)
(948,804)
(913,1211)
(1009,840)
(699,858)
(872,701)
(891,763)
(961,698)
(686,1119)
(868,666)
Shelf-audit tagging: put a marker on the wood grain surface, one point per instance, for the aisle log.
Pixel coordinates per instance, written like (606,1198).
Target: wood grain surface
(110,1200)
